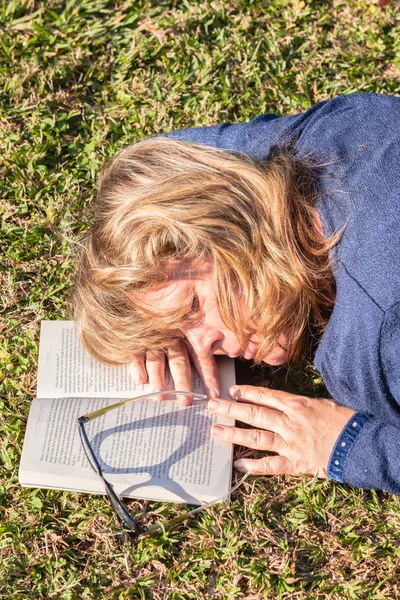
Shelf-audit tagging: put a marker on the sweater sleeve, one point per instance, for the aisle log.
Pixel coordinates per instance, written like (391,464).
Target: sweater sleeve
(367,453)
(368,456)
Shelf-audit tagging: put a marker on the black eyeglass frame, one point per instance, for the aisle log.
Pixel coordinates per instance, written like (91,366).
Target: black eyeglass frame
(124,517)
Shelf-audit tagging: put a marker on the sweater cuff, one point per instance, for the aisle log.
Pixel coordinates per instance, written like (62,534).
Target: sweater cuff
(344,445)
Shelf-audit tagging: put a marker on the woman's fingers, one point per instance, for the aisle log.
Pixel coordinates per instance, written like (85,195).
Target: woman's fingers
(181,371)
(137,369)
(268,465)
(258,416)
(152,370)
(207,368)
(257,439)
(262,396)
(306,430)
(155,365)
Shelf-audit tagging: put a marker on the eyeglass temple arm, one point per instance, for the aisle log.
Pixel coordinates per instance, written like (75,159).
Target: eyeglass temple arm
(103,411)
(124,517)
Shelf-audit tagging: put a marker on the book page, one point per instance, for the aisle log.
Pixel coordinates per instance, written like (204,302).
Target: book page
(66,369)
(147,449)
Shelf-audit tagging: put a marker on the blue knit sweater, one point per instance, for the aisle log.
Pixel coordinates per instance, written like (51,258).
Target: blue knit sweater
(357,140)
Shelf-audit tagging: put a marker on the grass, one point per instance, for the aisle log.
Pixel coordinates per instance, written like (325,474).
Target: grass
(78,80)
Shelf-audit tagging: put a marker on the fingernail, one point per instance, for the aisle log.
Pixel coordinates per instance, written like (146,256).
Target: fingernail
(157,390)
(240,466)
(234,392)
(214,394)
(217,430)
(213,405)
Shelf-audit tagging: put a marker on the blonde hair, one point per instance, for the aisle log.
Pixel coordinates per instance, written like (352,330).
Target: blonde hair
(163,201)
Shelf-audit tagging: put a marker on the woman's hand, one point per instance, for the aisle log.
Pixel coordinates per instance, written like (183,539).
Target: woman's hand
(152,370)
(302,431)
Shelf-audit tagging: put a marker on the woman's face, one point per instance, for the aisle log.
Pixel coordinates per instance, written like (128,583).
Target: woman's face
(208,334)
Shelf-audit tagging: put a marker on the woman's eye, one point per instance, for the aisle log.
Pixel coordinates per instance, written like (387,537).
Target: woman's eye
(194,308)
(195,305)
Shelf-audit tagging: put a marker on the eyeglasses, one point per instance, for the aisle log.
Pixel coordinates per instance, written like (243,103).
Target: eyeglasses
(131,525)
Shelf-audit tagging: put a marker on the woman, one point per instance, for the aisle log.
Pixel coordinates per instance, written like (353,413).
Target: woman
(263,240)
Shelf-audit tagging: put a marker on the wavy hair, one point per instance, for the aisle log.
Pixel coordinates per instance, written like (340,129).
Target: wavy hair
(163,201)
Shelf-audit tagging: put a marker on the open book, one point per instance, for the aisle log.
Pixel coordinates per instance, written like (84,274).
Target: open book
(152,449)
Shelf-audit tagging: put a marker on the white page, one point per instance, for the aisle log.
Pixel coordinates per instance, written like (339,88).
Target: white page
(66,369)
(148,449)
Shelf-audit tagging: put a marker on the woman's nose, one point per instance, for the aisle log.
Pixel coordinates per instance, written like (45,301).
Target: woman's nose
(204,341)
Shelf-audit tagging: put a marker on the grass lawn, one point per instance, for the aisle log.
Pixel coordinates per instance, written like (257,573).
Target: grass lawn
(79,79)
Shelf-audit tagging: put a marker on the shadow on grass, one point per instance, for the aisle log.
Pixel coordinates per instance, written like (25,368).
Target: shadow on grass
(301,379)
